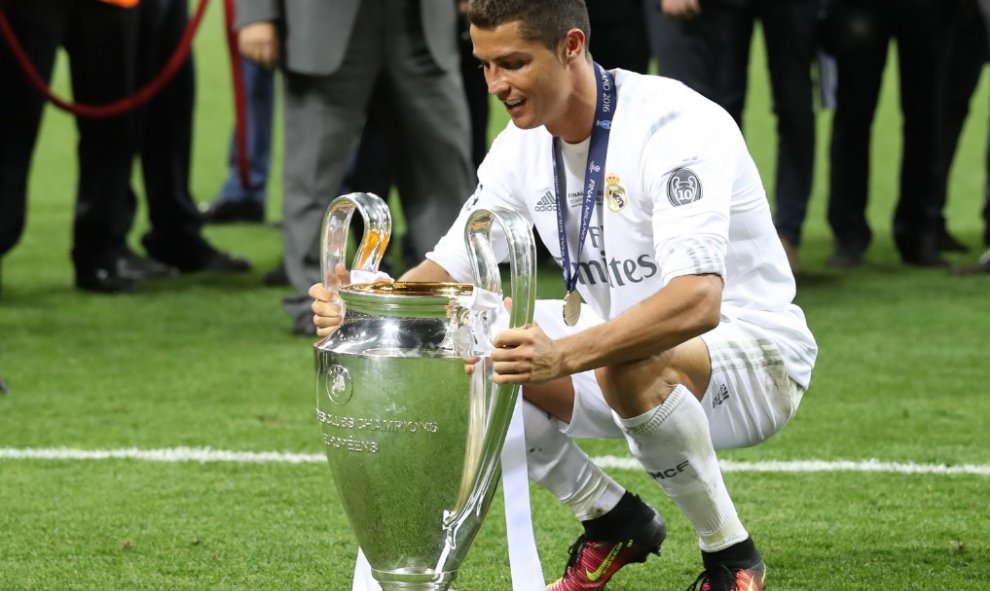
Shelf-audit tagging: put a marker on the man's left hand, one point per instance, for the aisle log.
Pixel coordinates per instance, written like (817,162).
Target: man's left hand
(526,355)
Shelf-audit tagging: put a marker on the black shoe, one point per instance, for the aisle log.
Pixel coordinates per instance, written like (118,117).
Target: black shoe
(845,257)
(103,279)
(200,256)
(276,277)
(946,242)
(131,265)
(736,568)
(923,257)
(223,211)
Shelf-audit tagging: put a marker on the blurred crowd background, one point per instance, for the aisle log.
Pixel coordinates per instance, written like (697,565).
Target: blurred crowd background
(385,96)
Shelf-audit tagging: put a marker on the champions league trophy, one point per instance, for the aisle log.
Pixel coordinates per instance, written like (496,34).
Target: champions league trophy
(412,439)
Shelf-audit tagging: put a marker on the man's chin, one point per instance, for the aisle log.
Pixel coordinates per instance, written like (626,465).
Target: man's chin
(524,122)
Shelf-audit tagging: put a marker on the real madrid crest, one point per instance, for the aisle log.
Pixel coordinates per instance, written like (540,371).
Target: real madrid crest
(615,193)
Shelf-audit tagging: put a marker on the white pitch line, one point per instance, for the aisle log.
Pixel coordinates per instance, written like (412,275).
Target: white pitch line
(205,454)
(805,466)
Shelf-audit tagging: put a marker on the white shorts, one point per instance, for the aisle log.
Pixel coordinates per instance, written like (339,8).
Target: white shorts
(749,398)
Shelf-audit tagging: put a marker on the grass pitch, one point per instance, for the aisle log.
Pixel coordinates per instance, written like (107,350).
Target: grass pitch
(207,362)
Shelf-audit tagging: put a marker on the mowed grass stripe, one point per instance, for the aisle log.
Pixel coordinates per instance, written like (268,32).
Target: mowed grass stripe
(205,454)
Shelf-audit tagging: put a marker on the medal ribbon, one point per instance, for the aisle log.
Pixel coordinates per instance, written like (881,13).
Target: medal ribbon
(594,173)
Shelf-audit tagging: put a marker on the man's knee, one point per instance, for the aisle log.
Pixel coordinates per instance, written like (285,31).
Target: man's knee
(635,387)
(555,397)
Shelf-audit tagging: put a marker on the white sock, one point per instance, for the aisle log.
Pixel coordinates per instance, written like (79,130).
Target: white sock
(557,464)
(673,443)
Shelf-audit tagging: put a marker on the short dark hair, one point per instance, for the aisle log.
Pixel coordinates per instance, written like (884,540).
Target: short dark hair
(545,21)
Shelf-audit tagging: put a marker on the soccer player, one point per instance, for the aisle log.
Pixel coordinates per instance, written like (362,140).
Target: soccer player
(689,341)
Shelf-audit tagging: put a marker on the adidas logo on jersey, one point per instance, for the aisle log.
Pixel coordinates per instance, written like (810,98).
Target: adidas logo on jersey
(546,203)
(721,396)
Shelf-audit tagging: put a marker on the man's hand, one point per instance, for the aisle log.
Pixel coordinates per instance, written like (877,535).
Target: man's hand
(259,43)
(526,355)
(327,309)
(681,9)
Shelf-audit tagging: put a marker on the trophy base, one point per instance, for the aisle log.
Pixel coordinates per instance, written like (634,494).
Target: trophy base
(414,580)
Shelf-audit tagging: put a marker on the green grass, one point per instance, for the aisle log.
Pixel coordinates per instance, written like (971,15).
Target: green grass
(208,362)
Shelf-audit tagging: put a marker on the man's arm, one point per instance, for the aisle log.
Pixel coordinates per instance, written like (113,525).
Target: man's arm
(427,271)
(688,306)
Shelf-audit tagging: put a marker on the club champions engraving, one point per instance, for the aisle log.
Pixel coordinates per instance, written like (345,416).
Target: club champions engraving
(376,424)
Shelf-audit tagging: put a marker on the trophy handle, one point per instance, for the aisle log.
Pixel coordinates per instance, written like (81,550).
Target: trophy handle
(522,263)
(337,220)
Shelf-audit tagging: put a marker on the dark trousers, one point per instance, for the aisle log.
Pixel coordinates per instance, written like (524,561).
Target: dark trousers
(711,55)
(968,54)
(96,37)
(165,126)
(866,28)
(618,34)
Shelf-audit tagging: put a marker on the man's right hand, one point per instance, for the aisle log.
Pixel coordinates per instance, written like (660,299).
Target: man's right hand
(259,43)
(681,9)
(327,308)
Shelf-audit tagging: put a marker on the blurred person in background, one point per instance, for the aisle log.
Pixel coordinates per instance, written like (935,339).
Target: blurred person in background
(235,202)
(706,45)
(332,55)
(98,37)
(970,51)
(620,39)
(858,33)
(164,128)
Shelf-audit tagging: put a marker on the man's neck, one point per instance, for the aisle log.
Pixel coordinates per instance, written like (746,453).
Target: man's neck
(578,116)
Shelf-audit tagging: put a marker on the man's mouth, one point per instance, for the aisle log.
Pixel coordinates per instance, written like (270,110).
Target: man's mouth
(514,105)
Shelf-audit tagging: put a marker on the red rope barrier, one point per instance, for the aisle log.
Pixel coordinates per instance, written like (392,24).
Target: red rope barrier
(118,107)
(149,90)
(240,101)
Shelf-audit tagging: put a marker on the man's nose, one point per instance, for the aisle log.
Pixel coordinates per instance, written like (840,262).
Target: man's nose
(497,84)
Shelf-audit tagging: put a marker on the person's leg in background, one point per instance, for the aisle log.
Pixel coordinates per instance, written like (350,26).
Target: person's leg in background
(860,39)
(40,27)
(967,55)
(922,30)
(983,264)
(237,203)
(789,29)
(165,126)
(431,156)
(476,92)
(682,49)
(984,6)
(620,39)
(730,36)
(99,44)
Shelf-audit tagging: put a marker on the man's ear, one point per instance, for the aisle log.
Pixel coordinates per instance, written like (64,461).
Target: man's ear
(572,46)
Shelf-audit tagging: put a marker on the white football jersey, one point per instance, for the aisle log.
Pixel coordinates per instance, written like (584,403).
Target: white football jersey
(682,196)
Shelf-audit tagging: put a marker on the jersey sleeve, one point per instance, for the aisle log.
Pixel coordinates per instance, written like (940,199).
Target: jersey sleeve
(690,173)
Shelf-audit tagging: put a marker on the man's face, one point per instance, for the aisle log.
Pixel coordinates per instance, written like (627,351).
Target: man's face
(529,79)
